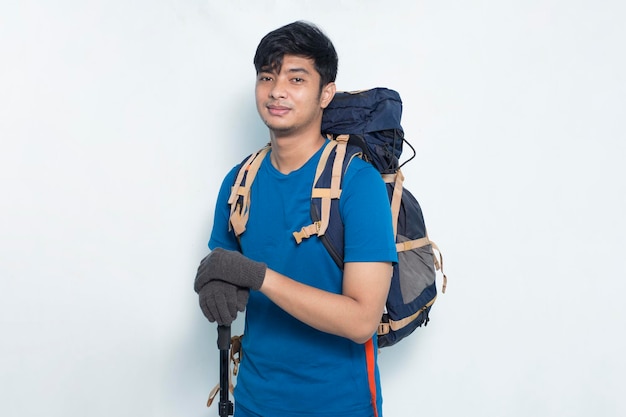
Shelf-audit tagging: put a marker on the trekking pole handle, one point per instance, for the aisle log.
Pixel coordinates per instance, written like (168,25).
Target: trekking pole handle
(223,344)
(223,337)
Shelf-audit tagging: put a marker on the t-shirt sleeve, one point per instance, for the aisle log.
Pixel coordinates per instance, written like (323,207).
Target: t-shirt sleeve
(364,204)
(221,236)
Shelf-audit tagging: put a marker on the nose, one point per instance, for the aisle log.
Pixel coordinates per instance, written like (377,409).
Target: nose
(278,89)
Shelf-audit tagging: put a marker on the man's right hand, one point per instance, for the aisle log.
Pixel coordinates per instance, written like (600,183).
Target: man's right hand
(221,300)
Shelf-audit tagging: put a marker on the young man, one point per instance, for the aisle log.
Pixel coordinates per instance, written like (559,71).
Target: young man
(310,331)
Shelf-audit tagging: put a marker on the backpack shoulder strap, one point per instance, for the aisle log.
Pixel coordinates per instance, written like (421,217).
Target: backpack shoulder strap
(239,200)
(327,188)
(324,190)
(324,194)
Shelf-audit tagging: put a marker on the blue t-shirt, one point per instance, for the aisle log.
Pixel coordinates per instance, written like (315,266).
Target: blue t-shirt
(289,368)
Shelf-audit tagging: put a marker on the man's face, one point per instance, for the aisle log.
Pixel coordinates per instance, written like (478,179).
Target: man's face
(289,99)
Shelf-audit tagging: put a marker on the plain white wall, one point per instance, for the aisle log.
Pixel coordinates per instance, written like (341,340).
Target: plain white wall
(119,119)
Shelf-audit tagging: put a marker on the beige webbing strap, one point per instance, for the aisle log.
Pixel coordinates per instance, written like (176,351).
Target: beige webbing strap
(216,388)
(437,256)
(396,199)
(439,266)
(239,213)
(325,194)
(212,395)
(306,232)
(335,182)
(414,244)
(322,162)
(384,328)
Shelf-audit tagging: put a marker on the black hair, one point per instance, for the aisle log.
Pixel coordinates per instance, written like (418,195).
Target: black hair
(302,39)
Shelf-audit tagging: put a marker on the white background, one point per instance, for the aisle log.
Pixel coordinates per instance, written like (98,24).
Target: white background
(118,120)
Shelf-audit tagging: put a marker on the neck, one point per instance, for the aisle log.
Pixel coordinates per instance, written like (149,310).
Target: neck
(289,153)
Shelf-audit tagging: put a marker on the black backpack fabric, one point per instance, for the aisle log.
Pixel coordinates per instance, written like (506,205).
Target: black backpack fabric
(372,117)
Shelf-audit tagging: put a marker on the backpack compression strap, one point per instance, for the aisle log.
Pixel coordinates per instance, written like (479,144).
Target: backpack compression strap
(326,194)
(239,200)
(398,180)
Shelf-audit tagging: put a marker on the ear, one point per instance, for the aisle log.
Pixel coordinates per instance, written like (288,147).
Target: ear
(328,92)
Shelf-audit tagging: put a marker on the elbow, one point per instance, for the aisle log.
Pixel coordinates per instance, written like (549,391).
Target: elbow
(363,333)
(362,340)
(364,325)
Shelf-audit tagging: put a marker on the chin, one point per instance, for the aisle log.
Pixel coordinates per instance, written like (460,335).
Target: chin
(281,130)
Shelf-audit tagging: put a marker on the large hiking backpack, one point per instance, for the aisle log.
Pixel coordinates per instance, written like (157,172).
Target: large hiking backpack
(364,124)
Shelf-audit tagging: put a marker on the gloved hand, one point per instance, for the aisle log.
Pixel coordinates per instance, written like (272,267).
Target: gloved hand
(220,301)
(232,267)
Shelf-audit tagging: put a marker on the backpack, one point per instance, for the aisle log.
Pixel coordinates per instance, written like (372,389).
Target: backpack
(364,124)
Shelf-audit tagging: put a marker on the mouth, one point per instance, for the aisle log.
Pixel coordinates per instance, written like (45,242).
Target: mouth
(277,110)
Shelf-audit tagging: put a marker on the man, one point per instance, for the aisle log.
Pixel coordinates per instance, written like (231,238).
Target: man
(310,333)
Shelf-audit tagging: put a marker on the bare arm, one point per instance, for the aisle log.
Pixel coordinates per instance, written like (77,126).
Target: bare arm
(354,314)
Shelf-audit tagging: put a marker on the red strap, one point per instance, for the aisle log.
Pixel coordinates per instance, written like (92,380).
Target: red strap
(370,360)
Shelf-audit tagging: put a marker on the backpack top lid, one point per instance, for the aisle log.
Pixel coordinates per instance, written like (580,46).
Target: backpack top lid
(375,116)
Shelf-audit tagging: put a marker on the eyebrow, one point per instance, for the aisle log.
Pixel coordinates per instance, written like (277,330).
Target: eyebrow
(296,70)
(303,70)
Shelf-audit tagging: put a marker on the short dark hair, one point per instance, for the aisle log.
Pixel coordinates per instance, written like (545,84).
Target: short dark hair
(302,39)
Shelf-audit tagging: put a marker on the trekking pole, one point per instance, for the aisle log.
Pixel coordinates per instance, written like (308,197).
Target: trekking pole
(223,344)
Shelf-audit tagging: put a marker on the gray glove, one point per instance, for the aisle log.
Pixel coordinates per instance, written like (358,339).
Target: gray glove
(232,267)
(220,301)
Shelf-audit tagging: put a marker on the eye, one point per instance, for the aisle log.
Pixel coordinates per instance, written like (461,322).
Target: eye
(265,78)
(297,80)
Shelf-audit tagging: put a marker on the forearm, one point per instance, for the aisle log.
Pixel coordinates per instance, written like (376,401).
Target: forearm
(355,314)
